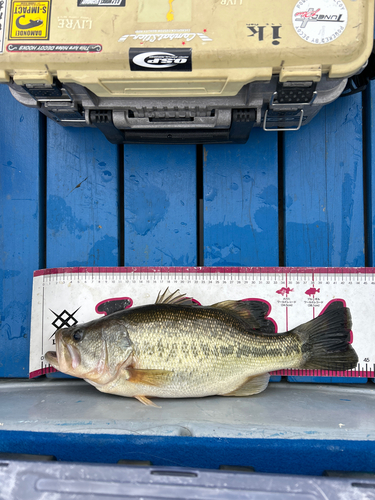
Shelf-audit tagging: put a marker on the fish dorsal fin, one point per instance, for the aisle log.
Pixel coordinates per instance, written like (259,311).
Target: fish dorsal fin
(253,312)
(174,298)
(253,385)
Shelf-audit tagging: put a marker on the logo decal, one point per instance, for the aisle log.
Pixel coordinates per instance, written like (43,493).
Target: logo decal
(320,21)
(44,47)
(160,60)
(183,35)
(64,319)
(100,3)
(29,19)
(262,32)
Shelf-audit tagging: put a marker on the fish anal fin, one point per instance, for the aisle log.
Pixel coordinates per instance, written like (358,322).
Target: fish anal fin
(155,378)
(174,298)
(146,401)
(253,385)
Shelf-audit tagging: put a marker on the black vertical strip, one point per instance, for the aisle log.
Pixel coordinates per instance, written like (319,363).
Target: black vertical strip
(367,187)
(42,191)
(199,183)
(121,206)
(281,197)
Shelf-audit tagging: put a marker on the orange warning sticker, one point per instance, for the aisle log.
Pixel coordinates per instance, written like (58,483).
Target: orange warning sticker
(29,20)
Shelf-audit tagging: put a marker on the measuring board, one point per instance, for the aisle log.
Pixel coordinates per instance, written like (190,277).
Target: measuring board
(68,296)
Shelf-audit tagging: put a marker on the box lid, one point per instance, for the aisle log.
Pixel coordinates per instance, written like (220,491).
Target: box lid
(183,47)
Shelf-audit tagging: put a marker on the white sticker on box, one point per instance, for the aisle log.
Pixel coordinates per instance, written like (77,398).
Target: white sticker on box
(320,21)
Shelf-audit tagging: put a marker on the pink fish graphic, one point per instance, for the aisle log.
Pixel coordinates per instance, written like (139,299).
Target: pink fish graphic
(284,291)
(312,291)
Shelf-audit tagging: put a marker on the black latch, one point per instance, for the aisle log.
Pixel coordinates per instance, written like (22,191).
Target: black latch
(66,115)
(290,93)
(64,111)
(43,90)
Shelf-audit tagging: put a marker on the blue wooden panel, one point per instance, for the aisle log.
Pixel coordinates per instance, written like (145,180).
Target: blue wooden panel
(324,219)
(324,216)
(160,205)
(20,246)
(82,198)
(241,203)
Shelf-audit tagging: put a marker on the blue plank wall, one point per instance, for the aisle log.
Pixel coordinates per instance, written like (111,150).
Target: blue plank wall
(69,197)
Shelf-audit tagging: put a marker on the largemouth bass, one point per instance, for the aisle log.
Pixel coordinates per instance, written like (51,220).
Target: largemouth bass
(177,349)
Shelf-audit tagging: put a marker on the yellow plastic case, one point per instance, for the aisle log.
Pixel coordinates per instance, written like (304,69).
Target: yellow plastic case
(168,65)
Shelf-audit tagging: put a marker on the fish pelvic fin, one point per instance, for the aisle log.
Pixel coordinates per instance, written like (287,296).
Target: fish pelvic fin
(325,341)
(176,297)
(252,312)
(253,385)
(146,401)
(155,378)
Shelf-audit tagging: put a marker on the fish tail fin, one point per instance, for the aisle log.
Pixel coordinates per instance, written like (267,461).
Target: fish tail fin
(325,341)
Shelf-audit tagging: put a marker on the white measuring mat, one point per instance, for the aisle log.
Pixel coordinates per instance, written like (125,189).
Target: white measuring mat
(69,296)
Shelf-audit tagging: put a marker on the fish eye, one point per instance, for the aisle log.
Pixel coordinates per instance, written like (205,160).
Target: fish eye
(78,335)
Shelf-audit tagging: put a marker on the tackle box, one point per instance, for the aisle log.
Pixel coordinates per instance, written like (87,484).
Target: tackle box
(182,71)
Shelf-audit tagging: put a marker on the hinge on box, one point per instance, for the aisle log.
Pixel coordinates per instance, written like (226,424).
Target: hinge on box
(103,120)
(243,120)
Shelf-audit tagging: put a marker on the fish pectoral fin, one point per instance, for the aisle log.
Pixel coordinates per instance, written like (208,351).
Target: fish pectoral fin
(156,378)
(253,385)
(146,401)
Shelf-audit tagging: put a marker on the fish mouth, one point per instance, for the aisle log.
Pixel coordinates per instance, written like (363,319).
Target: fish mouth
(51,358)
(66,357)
